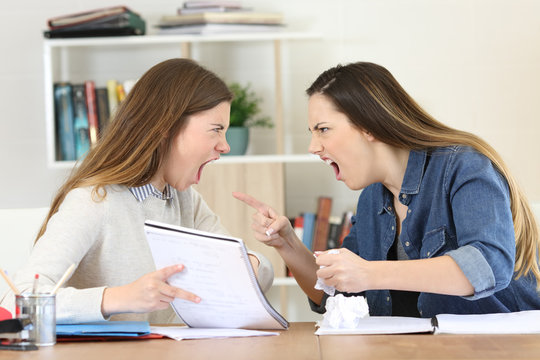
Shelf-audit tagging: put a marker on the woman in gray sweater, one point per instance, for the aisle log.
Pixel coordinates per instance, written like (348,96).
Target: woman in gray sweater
(170,125)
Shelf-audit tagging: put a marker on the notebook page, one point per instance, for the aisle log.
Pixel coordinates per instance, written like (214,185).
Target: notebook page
(523,322)
(383,325)
(217,269)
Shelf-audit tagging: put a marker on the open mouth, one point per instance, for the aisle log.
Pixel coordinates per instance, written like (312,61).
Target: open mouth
(335,166)
(199,173)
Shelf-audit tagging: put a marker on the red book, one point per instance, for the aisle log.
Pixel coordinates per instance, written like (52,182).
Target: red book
(345,226)
(93,124)
(320,236)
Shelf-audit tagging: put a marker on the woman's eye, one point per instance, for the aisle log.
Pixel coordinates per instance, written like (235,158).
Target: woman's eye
(323,129)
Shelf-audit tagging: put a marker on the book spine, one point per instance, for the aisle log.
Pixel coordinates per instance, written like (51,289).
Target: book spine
(346,225)
(334,232)
(63,102)
(102,99)
(298,226)
(80,124)
(320,238)
(309,226)
(120,92)
(112,96)
(91,105)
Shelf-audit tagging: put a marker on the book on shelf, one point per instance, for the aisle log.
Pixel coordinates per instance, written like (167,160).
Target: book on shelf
(320,235)
(196,10)
(85,16)
(125,31)
(334,231)
(209,4)
(309,227)
(236,17)
(80,121)
(298,226)
(117,21)
(346,225)
(91,106)
(112,96)
(120,92)
(102,100)
(207,29)
(65,135)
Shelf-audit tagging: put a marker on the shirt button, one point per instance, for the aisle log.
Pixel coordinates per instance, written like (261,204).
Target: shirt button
(407,243)
(428,253)
(389,208)
(388,298)
(420,312)
(404,196)
(392,228)
(409,211)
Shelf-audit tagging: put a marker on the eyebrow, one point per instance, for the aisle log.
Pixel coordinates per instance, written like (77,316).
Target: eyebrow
(317,126)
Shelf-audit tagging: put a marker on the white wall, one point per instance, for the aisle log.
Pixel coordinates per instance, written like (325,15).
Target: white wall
(474,64)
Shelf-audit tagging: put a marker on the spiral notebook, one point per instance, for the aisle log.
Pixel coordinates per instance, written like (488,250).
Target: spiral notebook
(218,270)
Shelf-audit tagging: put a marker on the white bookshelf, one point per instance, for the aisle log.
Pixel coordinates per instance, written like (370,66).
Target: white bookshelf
(57,67)
(184,42)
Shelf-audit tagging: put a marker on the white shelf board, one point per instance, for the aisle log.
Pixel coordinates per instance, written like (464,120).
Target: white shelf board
(172,39)
(245,159)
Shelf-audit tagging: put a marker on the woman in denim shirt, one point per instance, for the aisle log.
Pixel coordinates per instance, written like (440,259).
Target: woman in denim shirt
(441,225)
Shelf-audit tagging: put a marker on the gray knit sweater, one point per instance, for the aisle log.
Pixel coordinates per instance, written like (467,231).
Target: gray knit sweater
(106,240)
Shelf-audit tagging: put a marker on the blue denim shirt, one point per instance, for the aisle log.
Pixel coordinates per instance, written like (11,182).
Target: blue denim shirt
(458,205)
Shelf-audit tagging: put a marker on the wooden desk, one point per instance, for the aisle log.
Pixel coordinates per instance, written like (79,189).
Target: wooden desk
(428,346)
(298,343)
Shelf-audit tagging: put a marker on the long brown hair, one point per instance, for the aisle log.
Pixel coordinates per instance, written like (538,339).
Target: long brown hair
(374,101)
(142,129)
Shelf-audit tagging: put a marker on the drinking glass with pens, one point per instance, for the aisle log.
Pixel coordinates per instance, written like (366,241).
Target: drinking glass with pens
(40,308)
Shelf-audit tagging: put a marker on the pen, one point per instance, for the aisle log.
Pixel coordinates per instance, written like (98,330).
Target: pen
(63,278)
(34,288)
(10,283)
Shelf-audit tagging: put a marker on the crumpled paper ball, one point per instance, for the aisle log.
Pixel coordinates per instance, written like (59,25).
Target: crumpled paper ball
(344,312)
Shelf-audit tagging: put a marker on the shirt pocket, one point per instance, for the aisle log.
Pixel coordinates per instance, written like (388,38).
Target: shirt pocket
(433,243)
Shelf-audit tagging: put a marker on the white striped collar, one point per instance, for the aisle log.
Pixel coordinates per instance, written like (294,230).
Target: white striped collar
(142,192)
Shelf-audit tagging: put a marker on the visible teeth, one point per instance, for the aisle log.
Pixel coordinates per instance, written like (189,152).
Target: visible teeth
(328,162)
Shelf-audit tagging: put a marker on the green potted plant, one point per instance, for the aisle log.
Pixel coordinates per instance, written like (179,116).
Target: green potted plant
(244,111)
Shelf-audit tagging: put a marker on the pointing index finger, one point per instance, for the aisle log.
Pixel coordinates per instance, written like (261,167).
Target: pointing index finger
(251,201)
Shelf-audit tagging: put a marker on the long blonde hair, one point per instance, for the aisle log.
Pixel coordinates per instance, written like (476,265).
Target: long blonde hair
(374,101)
(143,128)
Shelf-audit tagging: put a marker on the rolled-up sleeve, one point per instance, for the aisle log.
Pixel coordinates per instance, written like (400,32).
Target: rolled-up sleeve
(476,269)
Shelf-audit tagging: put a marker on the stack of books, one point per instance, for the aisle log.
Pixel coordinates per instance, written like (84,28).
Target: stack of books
(214,17)
(110,21)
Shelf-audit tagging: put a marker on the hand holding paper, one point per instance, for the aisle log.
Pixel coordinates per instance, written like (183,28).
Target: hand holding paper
(345,271)
(151,292)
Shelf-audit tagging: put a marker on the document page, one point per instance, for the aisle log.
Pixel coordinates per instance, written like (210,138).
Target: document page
(217,269)
(382,325)
(523,322)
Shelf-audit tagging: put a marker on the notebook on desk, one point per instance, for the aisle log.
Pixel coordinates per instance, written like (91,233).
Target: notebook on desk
(218,270)
(522,322)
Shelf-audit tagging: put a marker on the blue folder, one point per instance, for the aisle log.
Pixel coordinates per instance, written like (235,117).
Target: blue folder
(105,328)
